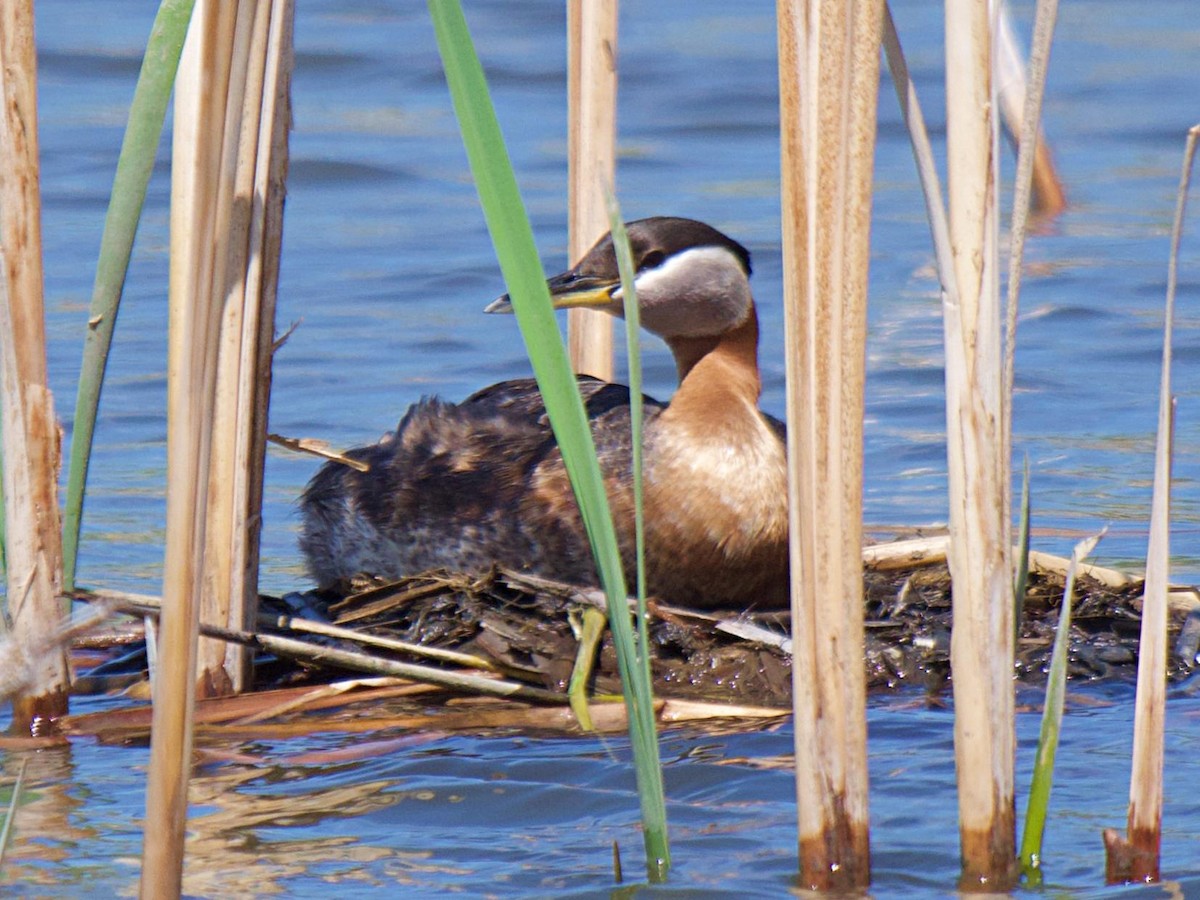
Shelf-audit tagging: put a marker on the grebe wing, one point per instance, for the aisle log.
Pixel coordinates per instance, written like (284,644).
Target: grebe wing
(777,426)
(522,399)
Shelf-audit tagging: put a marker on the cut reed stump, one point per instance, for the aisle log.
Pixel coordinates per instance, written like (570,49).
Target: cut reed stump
(258,115)
(1137,857)
(32,538)
(829,80)
(978,463)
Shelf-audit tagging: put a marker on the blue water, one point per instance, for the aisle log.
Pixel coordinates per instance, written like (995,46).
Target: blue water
(523,816)
(386,267)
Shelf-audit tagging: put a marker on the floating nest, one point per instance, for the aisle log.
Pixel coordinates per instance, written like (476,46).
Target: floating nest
(408,655)
(452,652)
(528,628)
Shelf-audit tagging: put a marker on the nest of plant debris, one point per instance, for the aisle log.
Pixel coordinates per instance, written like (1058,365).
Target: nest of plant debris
(403,655)
(529,629)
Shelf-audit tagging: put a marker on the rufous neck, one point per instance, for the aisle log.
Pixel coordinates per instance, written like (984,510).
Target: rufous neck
(729,359)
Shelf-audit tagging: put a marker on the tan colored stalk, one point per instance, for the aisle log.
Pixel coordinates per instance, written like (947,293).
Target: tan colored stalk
(1026,181)
(218,600)
(978,464)
(1049,196)
(200,93)
(591,154)
(931,189)
(256,118)
(1142,849)
(226,209)
(31,437)
(829,71)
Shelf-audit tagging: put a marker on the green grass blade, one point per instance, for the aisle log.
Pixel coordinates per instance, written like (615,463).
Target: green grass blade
(633,343)
(1021,583)
(1052,712)
(6,832)
(138,150)
(523,276)
(591,631)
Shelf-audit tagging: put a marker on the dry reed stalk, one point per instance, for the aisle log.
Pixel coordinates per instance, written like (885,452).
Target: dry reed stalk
(246,715)
(227,289)
(829,77)
(245,707)
(200,93)
(978,464)
(33,538)
(591,155)
(1137,857)
(256,137)
(355,661)
(1050,198)
(307,626)
(1029,97)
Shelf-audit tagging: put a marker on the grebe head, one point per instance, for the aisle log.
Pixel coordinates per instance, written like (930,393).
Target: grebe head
(692,280)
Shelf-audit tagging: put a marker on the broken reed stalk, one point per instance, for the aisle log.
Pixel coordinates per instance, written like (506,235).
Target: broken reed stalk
(978,463)
(931,188)
(262,277)
(1139,860)
(30,431)
(224,291)
(829,75)
(591,155)
(1024,187)
(256,122)
(1049,196)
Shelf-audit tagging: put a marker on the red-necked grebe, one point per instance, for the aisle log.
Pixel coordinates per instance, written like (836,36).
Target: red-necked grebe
(469,485)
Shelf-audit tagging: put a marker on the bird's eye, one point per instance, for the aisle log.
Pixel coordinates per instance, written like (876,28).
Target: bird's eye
(652,260)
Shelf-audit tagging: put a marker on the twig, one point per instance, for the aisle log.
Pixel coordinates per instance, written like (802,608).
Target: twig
(361,662)
(749,631)
(292,623)
(317,448)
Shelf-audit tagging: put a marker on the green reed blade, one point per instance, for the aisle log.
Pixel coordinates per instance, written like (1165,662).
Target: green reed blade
(1021,582)
(1052,713)
(591,631)
(134,166)
(512,237)
(633,344)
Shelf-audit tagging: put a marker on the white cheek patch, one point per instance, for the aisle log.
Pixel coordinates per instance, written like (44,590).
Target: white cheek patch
(692,267)
(699,291)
